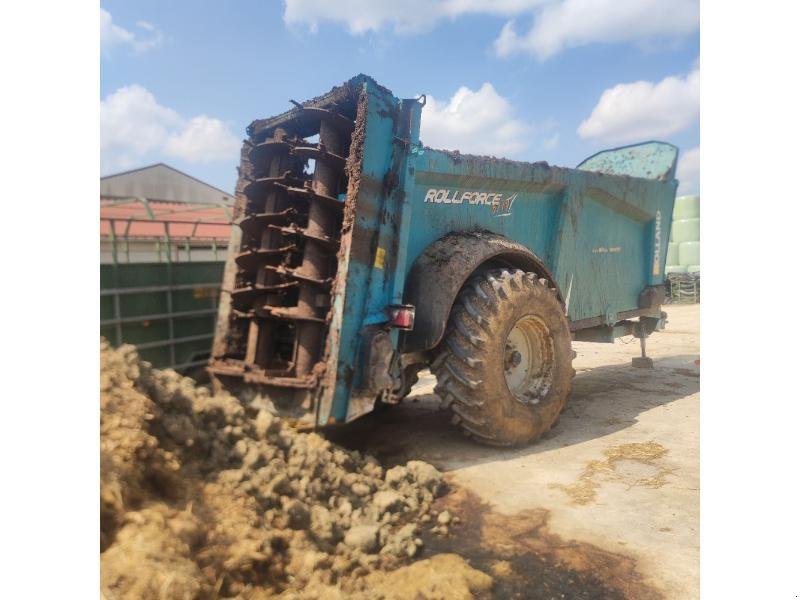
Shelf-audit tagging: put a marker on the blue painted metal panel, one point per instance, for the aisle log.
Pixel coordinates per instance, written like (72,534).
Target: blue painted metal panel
(373,247)
(601,229)
(593,231)
(651,160)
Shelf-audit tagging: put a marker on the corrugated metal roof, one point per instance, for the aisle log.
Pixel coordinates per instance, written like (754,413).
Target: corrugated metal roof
(134,218)
(164,183)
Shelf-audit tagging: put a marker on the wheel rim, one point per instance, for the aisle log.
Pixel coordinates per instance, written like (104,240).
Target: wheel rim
(528,360)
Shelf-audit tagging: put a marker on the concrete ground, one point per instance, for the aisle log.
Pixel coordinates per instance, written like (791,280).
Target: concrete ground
(611,494)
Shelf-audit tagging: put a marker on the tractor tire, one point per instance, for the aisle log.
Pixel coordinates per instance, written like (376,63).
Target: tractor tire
(505,365)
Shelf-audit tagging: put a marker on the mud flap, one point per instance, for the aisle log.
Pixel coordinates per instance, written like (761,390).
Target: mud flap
(441,271)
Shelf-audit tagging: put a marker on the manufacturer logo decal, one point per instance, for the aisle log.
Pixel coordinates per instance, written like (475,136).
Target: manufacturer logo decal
(657,244)
(498,205)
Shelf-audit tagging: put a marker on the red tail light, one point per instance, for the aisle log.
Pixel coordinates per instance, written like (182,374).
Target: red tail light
(401,316)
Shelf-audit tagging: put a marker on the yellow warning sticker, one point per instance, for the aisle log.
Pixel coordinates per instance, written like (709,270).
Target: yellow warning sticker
(200,292)
(380,257)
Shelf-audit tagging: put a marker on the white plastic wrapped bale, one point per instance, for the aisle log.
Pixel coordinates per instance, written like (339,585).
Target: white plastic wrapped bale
(676,269)
(672,254)
(686,207)
(689,253)
(685,230)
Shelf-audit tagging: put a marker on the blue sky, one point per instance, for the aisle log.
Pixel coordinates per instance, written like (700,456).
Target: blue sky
(552,80)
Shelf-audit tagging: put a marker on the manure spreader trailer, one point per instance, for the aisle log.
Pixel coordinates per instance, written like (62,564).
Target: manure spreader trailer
(362,256)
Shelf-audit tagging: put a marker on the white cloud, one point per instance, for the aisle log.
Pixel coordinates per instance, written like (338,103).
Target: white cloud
(359,16)
(569,23)
(203,139)
(643,110)
(135,128)
(475,122)
(556,24)
(112,35)
(689,172)
(410,16)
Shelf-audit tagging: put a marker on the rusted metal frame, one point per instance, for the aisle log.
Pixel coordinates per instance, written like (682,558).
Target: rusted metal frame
(278,135)
(319,153)
(336,119)
(642,328)
(278,381)
(251,260)
(597,321)
(260,334)
(171,342)
(256,223)
(187,365)
(306,121)
(158,317)
(321,222)
(258,376)
(606,333)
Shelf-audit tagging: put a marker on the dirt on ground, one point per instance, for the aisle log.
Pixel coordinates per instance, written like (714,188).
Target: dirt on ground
(204,497)
(606,505)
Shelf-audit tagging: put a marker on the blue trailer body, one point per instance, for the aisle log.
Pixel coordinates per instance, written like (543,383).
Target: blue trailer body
(416,222)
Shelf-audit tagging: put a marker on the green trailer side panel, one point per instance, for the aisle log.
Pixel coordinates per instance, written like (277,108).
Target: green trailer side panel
(167,309)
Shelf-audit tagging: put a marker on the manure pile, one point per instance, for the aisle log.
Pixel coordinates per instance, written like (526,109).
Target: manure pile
(203,497)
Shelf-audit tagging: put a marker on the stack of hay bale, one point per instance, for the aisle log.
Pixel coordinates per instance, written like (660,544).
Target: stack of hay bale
(683,253)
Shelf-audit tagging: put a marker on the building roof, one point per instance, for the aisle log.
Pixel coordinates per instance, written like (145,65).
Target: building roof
(163,183)
(134,218)
(158,200)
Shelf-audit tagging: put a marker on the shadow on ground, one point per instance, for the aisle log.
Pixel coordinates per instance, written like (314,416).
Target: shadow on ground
(604,400)
(528,560)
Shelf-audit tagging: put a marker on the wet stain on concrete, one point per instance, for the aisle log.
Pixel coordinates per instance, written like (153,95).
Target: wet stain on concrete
(635,464)
(674,385)
(528,560)
(687,372)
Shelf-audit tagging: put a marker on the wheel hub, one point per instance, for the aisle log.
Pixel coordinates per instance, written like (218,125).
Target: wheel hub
(528,360)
